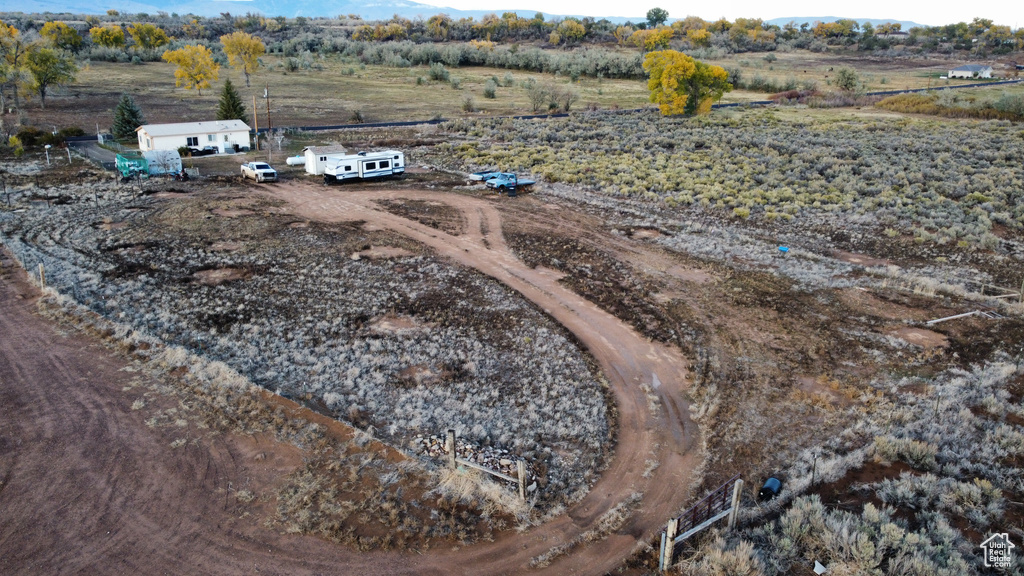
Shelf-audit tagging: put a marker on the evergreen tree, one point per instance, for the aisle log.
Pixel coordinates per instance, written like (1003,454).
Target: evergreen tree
(231,107)
(127,117)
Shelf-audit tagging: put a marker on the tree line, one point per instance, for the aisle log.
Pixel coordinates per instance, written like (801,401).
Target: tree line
(140,33)
(35,61)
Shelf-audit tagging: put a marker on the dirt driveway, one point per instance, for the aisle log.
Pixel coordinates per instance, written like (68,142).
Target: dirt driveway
(664,436)
(88,487)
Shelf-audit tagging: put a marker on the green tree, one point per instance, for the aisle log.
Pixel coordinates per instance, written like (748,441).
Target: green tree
(127,117)
(681,85)
(231,107)
(243,52)
(62,36)
(656,17)
(47,67)
(846,79)
(196,67)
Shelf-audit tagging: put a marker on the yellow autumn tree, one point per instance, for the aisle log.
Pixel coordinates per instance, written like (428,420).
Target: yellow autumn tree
(681,85)
(148,36)
(244,51)
(13,50)
(571,30)
(196,67)
(652,39)
(108,36)
(61,36)
(699,38)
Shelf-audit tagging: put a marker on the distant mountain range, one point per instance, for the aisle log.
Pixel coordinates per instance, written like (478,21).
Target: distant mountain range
(905,24)
(369,10)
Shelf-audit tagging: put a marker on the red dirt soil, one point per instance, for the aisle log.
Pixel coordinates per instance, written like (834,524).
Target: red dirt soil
(87,487)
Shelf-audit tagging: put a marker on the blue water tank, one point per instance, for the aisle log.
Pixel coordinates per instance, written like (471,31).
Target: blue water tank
(770,489)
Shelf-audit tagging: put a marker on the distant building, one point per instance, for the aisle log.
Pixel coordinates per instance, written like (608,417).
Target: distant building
(224,135)
(971,71)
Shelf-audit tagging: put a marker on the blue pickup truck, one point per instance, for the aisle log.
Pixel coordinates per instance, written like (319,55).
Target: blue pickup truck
(507,182)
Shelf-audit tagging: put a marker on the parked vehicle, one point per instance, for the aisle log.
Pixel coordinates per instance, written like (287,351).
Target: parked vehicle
(204,151)
(365,166)
(508,182)
(259,171)
(484,176)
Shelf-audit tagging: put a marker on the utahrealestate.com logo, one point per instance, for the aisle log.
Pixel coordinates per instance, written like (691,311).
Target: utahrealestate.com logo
(998,551)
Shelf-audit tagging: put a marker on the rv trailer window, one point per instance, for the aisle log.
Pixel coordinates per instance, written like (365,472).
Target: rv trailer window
(370,166)
(384,164)
(323,158)
(348,168)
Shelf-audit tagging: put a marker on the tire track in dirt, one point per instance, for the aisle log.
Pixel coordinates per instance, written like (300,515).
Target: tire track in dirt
(88,488)
(628,361)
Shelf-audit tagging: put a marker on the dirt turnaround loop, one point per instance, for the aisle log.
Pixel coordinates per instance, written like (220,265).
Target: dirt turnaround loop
(665,436)
(87,487)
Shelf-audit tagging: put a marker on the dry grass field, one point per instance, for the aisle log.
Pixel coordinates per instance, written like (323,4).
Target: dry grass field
(334,90)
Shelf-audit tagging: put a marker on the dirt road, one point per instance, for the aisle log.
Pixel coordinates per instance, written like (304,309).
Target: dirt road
(88,487)
(664,436)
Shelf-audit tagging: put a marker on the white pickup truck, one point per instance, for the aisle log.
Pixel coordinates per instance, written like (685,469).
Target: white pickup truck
(259,171)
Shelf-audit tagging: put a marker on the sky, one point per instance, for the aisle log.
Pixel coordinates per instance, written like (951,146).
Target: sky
(927,12)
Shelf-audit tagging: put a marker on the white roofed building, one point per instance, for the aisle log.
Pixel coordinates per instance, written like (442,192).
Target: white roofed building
(225,135)
(971,71)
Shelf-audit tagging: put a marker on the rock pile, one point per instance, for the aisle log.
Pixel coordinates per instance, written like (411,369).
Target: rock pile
(497,459)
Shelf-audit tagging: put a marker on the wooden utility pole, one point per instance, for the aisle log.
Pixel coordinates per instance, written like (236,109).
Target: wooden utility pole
(270,125)
(256,122)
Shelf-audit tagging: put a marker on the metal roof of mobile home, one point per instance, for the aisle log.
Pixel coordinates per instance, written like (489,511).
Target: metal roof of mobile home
(971,68)
(182,128)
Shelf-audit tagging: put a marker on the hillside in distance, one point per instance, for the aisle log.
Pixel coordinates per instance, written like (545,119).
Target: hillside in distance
(379,10)
(798,20)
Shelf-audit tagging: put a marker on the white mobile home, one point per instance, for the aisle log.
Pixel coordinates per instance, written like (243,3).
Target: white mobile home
(971,71)
(318,157)
(224,135)
(365,165)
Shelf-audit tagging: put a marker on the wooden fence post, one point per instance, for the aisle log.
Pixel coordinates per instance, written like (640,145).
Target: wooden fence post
(521,468)
(737,490)
(451,448)
(670,544)
(42,277)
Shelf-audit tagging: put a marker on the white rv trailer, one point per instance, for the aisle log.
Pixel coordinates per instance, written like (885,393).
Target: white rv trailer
(364,166)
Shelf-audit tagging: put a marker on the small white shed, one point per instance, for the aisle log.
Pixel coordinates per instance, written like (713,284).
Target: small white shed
(225,135)
(971,71)
(318,157)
